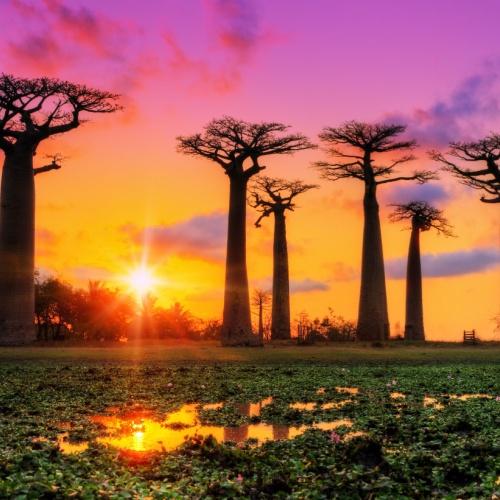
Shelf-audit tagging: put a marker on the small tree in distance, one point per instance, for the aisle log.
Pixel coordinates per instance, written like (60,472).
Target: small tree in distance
(237,147)
(261,300)
(422,217)
(486,153)
(31,111)
(276,196)
(353,147)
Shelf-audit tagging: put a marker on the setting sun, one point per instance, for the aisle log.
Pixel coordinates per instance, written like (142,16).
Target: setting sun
(142,281)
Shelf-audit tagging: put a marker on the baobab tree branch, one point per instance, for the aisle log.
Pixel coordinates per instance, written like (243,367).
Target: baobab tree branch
(490,200)
(422,216)
(421,177)
(53,165)
(368,139)
(379,171)
(35,109)
(231,143)
(486,152)
(265,213)
(336,171)
(46,168)
(270,195)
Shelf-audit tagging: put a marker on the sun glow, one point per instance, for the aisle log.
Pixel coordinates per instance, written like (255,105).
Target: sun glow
(142,281)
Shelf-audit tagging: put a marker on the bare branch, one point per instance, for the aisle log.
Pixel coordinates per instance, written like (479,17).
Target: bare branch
(485,152)
(230,142)
(53,165)
(421,177)
(357,142)
(34,109)
(270,195)
(422,216)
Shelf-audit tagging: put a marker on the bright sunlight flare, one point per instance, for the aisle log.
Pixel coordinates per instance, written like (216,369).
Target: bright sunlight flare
(142,281)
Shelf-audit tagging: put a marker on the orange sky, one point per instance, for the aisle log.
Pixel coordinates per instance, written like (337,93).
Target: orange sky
(177,71)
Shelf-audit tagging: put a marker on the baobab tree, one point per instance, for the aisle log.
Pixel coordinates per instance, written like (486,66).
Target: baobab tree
(237,146)
(31,111)
(276,196)
(260,300)
(486,154)
(422,217)
(353,147)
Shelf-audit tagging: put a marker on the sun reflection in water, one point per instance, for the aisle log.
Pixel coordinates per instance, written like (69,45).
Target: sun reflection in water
(138,432)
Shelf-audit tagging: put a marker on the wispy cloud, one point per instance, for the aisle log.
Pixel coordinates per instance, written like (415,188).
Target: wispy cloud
(60,37)
(46,236)
(296,286)
(201,237)
(81,25)
(403,193)
(83,274)
(198,72)
(448,264)
(236,26)
(468,112)
(38,52)
(307,285)
(235,34)
(344,272)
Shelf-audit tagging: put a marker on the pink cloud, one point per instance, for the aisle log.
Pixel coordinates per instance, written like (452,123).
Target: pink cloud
(27,10)
(199,72)
(237,27)
(235,34)
(38,53)
(85,28)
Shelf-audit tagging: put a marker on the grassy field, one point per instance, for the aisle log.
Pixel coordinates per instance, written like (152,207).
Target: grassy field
(404,430)
(208,352)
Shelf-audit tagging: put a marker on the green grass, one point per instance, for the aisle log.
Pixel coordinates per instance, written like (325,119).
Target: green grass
(410,451)
(207,352)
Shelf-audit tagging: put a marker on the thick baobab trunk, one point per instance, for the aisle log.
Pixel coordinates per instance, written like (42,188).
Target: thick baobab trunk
(236,323)
(373,318)
(17,226)
(280,325)
(414,324)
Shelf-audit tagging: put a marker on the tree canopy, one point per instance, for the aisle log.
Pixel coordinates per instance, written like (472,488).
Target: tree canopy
(485,153)
(34,109)
(268,195)
(351,147)
(423,216)
(230,142)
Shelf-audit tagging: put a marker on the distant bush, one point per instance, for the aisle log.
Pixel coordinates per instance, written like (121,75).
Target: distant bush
(333,328)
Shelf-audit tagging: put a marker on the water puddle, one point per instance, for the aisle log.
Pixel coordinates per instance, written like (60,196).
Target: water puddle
(430,402)
(335,405)
(303,406)
(397,395)
(139,433)
(213,406)
(252,409)
(347,390)
(466,397)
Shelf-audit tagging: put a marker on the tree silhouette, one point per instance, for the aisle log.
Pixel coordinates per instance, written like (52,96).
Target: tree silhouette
(31,110)
(236,146)
(422,217)
(485,152)
(353,146)
(276,196)
(260,300)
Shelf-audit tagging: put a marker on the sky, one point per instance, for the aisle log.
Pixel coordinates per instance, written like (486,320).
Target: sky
(125,195)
